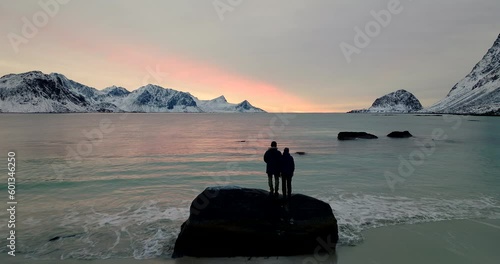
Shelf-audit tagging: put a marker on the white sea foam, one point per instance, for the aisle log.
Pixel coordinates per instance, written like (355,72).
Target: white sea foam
(149,247)
(355,212)
(142,231)
(129,168)
(149,229)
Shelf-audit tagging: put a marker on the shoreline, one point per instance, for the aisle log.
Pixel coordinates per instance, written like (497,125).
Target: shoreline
(450,241)
(374,113)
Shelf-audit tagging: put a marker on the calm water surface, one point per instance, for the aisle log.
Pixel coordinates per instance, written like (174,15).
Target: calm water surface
(115,185)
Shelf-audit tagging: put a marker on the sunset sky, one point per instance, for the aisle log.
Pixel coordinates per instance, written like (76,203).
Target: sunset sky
(282,55)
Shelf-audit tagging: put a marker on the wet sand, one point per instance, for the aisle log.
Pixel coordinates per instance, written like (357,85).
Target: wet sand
(458,241)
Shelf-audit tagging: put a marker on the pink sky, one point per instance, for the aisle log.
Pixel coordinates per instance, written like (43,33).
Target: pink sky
(205,80)
(99,60)
(282,56)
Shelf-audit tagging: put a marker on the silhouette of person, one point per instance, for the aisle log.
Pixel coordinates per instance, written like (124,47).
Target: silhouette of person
(287,169)
(272,157)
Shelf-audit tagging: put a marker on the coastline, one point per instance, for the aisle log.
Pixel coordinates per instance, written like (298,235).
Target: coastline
(424,114)
(451,241)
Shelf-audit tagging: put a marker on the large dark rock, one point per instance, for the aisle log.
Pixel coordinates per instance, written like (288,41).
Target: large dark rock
(234,221)
(355,135)
(400,134)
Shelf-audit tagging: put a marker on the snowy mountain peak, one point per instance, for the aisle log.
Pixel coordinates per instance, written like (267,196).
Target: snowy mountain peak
(220,105)
(112,87)
(152,88)
(220,99)
(400,101)
(32,74)
(55,75)
(37,92)
(479,91)
(245,103)
(14,80)
(245,106)
(115,91)
(154,98)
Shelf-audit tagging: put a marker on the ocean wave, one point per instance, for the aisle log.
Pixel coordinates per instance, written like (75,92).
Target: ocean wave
(141,231)
(149,229)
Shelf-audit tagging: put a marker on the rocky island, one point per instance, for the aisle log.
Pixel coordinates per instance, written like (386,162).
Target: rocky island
(400,101)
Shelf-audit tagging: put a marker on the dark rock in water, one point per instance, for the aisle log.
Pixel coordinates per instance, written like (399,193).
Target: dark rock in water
(62,237)
(400,134)
(355,135)
(300,153)
(234,221)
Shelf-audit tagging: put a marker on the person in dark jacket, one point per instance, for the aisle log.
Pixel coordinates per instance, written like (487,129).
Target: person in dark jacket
(272,157)
(287,169)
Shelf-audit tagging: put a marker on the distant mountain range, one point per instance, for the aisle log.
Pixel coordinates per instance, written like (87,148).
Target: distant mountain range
(36,92)
(478,92)
(400,101)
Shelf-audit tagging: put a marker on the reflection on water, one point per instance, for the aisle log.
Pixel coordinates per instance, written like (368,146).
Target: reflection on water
(125,192)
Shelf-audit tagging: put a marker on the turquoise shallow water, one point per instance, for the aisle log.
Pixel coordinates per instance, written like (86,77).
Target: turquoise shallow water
(116,185)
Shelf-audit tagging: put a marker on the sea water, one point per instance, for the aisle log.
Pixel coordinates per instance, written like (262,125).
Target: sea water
(95,186)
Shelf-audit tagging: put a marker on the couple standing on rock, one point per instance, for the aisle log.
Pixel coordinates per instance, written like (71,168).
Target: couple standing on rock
(279,165)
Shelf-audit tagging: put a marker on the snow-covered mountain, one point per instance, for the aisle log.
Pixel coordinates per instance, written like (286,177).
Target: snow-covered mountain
(153,98)
(220,105)
(38,92)
(478,92)
(400,101)
(115,91)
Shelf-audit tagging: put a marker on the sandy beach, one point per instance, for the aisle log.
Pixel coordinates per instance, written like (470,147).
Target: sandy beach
(457,241)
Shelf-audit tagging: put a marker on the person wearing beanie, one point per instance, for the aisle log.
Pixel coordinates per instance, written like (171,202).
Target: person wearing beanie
(287,169)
